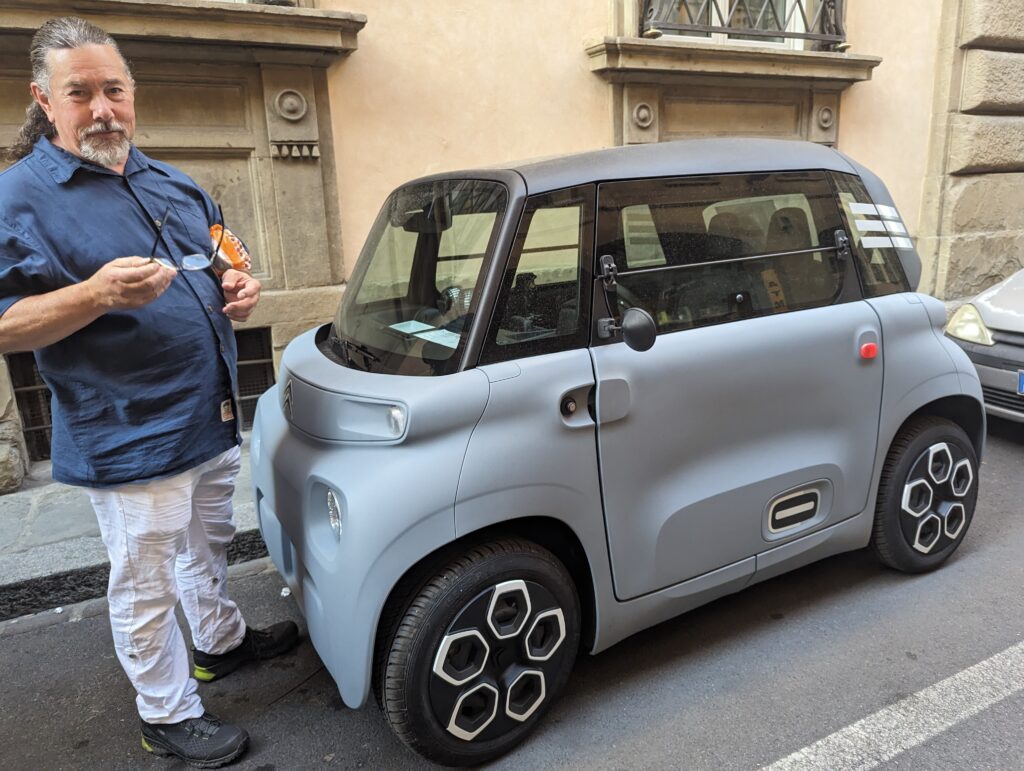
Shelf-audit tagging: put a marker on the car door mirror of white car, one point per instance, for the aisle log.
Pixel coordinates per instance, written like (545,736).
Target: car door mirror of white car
(638,329)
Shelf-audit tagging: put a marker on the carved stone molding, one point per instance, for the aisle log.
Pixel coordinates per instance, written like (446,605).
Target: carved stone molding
(634,60)
(295,150)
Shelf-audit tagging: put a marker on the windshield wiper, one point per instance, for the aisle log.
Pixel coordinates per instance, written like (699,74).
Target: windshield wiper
(362,350)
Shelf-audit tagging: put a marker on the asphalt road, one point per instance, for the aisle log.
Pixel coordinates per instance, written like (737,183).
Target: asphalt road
(930,665)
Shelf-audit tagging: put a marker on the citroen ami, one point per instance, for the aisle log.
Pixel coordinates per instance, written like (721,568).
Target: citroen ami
(566,400)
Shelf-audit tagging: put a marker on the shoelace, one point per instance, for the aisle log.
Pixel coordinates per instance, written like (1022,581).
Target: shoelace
(203,727)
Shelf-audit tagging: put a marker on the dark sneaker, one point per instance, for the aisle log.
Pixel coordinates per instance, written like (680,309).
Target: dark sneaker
(257,644)
(202,742)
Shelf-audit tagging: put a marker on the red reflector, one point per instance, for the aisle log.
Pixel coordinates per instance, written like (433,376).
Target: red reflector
(869,350)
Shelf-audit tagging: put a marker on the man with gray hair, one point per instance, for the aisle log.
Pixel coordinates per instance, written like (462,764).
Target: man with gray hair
(109,273)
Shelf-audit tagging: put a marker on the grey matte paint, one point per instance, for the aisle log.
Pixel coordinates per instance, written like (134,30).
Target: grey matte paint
(696,437)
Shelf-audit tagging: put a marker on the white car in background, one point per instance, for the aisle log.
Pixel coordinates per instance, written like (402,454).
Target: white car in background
(990,328)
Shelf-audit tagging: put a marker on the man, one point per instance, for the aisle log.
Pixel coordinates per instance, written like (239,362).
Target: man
(141,361)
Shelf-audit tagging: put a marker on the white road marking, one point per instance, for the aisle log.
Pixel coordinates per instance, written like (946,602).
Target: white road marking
(914,720)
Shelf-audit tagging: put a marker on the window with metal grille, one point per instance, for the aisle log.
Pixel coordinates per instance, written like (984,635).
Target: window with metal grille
(255,375)
(33,399)
(255,370)
(810,24)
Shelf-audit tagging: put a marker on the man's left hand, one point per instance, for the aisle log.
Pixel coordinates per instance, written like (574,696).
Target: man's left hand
(242,292)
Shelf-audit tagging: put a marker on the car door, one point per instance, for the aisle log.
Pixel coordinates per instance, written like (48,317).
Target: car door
(754,417)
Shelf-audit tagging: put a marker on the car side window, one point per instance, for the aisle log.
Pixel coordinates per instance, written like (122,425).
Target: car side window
(696,251)
(874,233)
(541,307)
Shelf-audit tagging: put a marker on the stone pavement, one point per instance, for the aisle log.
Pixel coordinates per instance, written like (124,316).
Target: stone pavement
(50,547)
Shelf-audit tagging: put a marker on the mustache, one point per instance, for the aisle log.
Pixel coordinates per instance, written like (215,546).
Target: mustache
(101,127)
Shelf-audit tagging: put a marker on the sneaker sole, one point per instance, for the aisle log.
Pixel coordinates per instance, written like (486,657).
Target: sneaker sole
(154,747)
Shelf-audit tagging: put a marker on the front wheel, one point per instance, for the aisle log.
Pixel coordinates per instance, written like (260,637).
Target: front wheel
(484,648)
(926,497)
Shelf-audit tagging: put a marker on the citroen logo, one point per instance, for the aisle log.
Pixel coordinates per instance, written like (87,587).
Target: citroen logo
(286,404)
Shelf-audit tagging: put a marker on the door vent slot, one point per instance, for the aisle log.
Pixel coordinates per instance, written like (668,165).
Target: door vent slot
(793,509)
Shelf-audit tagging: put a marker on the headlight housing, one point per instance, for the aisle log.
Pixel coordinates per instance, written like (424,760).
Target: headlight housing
(966,324)
(334,512)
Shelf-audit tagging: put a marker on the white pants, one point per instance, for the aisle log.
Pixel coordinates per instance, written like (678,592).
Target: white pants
(167,541)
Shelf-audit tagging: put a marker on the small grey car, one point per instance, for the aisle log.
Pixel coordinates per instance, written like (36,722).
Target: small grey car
(566,400)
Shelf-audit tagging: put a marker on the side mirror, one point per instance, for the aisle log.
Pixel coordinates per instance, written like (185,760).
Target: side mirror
(638,329)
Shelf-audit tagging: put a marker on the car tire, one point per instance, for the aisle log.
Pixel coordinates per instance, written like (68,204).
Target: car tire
(483,648)
(926,496)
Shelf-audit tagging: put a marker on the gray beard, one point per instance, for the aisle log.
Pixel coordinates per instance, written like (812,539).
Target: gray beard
(109,153)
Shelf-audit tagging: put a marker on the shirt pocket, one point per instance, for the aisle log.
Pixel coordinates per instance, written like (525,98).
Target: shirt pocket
(189,227)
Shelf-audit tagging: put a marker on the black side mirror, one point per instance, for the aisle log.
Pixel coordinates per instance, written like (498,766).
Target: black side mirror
(638,329)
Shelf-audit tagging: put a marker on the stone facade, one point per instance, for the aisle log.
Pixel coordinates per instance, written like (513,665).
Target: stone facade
(972,232)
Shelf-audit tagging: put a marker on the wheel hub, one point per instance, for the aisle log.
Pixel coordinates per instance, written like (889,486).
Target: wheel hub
(932,511)
(495,661)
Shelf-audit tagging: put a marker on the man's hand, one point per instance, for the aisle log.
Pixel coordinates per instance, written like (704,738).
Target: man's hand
(242,292)
(129,282)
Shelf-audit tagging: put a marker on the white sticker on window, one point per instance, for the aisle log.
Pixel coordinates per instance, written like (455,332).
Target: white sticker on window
(870,226)
(442,337)
(411,327)
(903,243)
(863,208)
(876,243)
(888,212)
(896,227)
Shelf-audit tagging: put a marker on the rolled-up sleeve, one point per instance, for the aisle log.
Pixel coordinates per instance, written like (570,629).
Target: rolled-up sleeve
(25,269)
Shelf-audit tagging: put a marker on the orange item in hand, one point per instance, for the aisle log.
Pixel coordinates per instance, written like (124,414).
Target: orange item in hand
(232,252)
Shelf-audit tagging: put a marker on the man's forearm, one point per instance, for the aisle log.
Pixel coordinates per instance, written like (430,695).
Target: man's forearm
(41,320)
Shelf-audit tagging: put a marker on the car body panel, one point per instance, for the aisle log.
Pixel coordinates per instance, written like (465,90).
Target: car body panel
(693,495)
(1002,306)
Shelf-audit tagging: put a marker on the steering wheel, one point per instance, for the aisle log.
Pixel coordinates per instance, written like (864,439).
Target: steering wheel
(454,299)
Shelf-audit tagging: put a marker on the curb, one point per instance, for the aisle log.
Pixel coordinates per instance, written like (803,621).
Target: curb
(73,586)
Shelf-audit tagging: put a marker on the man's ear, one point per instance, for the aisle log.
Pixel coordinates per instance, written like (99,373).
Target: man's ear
(42,100)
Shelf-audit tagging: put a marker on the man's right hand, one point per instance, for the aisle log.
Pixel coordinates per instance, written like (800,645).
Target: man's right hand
(129,282)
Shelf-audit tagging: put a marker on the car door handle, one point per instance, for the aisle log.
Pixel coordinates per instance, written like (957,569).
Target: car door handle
(613,400)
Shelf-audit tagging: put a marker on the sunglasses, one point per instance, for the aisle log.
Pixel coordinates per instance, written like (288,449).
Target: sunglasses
(189,261)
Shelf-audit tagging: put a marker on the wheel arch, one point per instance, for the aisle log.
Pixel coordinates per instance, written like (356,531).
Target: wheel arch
(963,410)
(550,533)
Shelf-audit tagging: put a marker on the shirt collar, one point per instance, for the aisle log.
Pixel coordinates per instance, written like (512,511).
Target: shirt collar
(62,165)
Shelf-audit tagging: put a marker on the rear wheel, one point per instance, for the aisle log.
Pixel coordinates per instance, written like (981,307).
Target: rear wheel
(484,648)
(926,497)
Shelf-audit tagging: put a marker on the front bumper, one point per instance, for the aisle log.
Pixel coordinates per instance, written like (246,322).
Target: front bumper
(340,584)
(998,370)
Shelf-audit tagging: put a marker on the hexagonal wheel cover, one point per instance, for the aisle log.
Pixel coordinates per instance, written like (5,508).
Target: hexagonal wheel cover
(917,497)
(461,656)
(929,530)
(940,462)
(525,694)
(954,517)
(962,478)
(551,628)
(509,609)
(472,715)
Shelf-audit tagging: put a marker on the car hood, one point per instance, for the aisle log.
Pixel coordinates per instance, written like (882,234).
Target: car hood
(1002,306)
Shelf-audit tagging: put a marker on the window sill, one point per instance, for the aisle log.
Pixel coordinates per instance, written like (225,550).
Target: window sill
(636,60)
(290,33)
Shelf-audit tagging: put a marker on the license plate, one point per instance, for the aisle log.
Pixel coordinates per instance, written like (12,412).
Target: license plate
(1020,382)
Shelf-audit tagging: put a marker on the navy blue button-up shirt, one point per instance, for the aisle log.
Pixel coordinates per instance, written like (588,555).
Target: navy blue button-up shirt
(137,394)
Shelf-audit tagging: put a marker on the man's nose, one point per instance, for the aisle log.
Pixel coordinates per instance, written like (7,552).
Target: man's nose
(101,109)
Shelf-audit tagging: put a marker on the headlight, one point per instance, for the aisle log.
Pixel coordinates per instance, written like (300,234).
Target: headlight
(334,512)
(396,421)
(966,324)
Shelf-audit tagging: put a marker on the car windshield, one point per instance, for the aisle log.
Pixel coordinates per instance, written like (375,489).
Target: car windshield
(410,302)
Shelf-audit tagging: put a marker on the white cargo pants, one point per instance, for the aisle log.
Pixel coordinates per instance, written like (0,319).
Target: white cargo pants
(167,540)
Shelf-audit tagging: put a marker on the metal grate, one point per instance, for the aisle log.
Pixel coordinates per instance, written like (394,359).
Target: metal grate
(255,375)
(1005,399)
(33,399)
(255,370)
(816,20)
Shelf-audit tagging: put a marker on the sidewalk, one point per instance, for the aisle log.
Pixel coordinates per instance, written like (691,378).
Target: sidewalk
(50,547)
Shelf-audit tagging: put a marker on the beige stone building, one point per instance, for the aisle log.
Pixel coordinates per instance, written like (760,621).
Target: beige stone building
(300,120)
